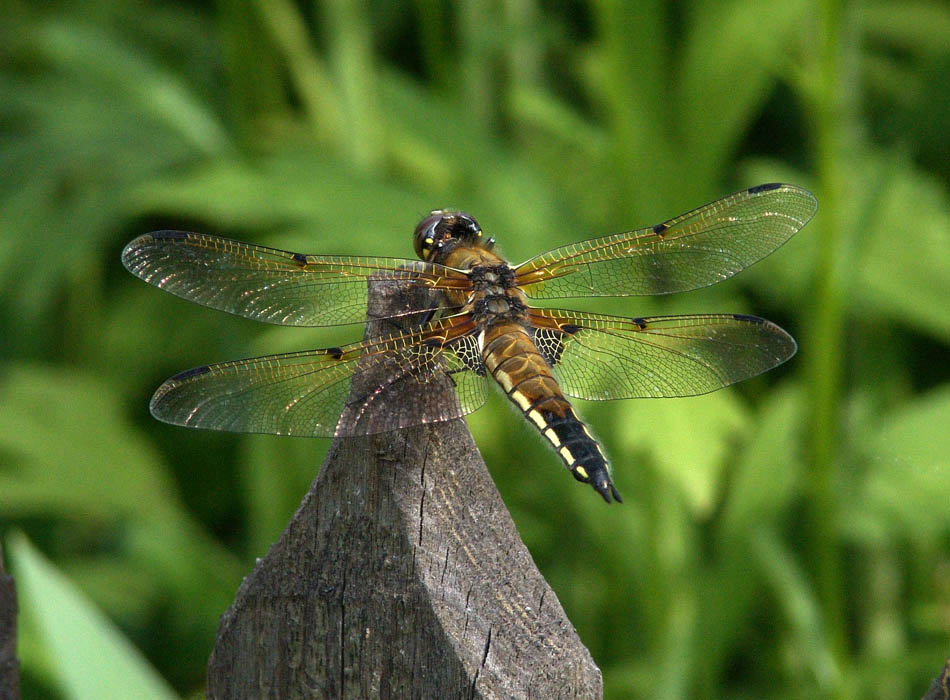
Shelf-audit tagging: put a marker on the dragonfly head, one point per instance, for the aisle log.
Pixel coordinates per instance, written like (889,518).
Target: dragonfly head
(442,230)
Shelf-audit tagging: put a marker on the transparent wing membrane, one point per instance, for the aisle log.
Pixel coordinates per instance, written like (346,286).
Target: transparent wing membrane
(404,380)
(600,357)
(696,249)
(270,285)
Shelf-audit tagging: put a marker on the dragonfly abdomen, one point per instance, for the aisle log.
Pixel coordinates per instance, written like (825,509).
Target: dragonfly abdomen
(513,360)
(580,451)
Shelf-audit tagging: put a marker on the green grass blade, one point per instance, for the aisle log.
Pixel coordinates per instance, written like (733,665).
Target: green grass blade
(87,653)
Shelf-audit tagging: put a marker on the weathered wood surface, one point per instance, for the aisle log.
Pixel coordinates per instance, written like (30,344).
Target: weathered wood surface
(940,687)
(9,666)
(400,576)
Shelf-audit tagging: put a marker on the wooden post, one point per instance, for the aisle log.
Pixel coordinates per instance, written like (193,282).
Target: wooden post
(400,576)
(9,666)
(940,687)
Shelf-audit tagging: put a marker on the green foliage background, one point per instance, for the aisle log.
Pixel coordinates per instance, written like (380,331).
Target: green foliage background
(787,538)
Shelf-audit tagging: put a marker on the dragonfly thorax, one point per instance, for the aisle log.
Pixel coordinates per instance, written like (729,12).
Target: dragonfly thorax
(496,296)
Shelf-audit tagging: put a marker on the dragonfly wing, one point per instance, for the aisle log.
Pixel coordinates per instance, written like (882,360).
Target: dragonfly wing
(270,285)
(388,383)
(696,249)
(600,357)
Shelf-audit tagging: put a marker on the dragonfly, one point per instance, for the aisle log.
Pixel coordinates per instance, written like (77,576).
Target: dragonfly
(472,325)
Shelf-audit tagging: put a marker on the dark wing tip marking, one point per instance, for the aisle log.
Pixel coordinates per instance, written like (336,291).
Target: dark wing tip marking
(659,229)
(640,323)
(569,328)
(300,259)
(165,235)
(189,373)
(779,332)
(764,188)
(335,352)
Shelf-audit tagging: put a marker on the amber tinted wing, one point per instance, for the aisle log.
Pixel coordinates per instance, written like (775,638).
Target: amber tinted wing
(274,286)
(693,250)
(396,381)
(600,357)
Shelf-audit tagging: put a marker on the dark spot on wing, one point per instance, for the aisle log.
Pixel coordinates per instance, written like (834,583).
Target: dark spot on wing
(747,318)
(432,342)
(641,323)
(659,229)
(570,328)
(189,373)
(162,235)
(764,188)
(335,353)
(300,258)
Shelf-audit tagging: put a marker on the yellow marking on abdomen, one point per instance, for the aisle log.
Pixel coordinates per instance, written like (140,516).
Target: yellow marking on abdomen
(505,382)
(566,454)
(552,436)
(582,472)
(537,418)
(522,401)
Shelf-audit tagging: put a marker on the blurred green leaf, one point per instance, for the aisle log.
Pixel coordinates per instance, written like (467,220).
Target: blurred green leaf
(733,53)
(902,270)
(87,462)
(910,25)
(559,120)
(98,118)
(800,606)
(290,188)
(679,649)
(307,70)
(276,475)
(88,655)
(761,491)
(688,438)
(92,465)
(767,471)
(89,53)
(897,252)
(906,459)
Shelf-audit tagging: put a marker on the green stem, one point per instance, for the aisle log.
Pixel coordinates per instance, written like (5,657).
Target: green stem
(824,345)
